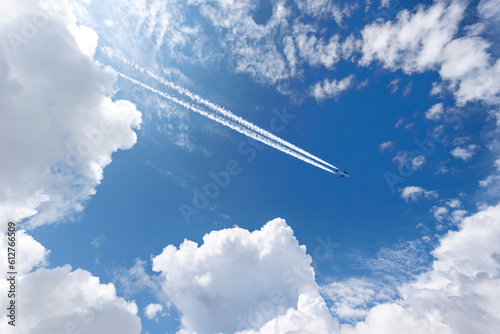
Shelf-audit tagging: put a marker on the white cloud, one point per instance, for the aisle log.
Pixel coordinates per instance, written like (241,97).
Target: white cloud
(457,216)
(439,212)
(460,140)
(58,300)
(444,216)
(58,126)
(61,299)
(152,311)
(386,145)
(394,84)
(58,129)
(437,89)
(352,299)
(268,271)
(493,178)
(414,193)
(331,89)
(460,294)
(326,9)
(399,123)
(31,254)
(414,41)
(426,40)
(408,88)
(409,161)
(464,153)
(454,203)
(316,51)
(135,279)
(435,112)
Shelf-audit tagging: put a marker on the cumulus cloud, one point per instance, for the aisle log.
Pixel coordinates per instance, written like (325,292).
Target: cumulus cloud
(439,212)
(59,125)
(454,203)
(427,40)
(268,271)
(449,215)
(61,299)
(409,161)
(458,295)
(152,311)
(58,300)
(331,89)
(435,112)
(58,130)
(414,193)
(464,153)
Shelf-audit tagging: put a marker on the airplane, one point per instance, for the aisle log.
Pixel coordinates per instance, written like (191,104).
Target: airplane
(344,174)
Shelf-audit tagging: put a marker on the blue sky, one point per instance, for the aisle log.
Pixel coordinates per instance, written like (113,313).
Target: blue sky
(404,95)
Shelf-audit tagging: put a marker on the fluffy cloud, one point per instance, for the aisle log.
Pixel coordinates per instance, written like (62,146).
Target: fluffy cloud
(60,299)
(414,193)
(268,271)
(316,51)
(58,129)
(152,311)
(435,112)
(58,126)
(464,153)
(460,294)
(408,160)
(413,42)
(426,40)
(271,275)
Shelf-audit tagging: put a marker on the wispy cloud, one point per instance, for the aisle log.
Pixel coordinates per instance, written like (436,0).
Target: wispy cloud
(386,146)
(331,88)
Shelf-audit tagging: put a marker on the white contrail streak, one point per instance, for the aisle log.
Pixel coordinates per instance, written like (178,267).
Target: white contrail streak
(226,122)
(228,114)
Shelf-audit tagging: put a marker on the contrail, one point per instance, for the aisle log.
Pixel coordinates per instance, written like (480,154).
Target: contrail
(226,122)
(228,114)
